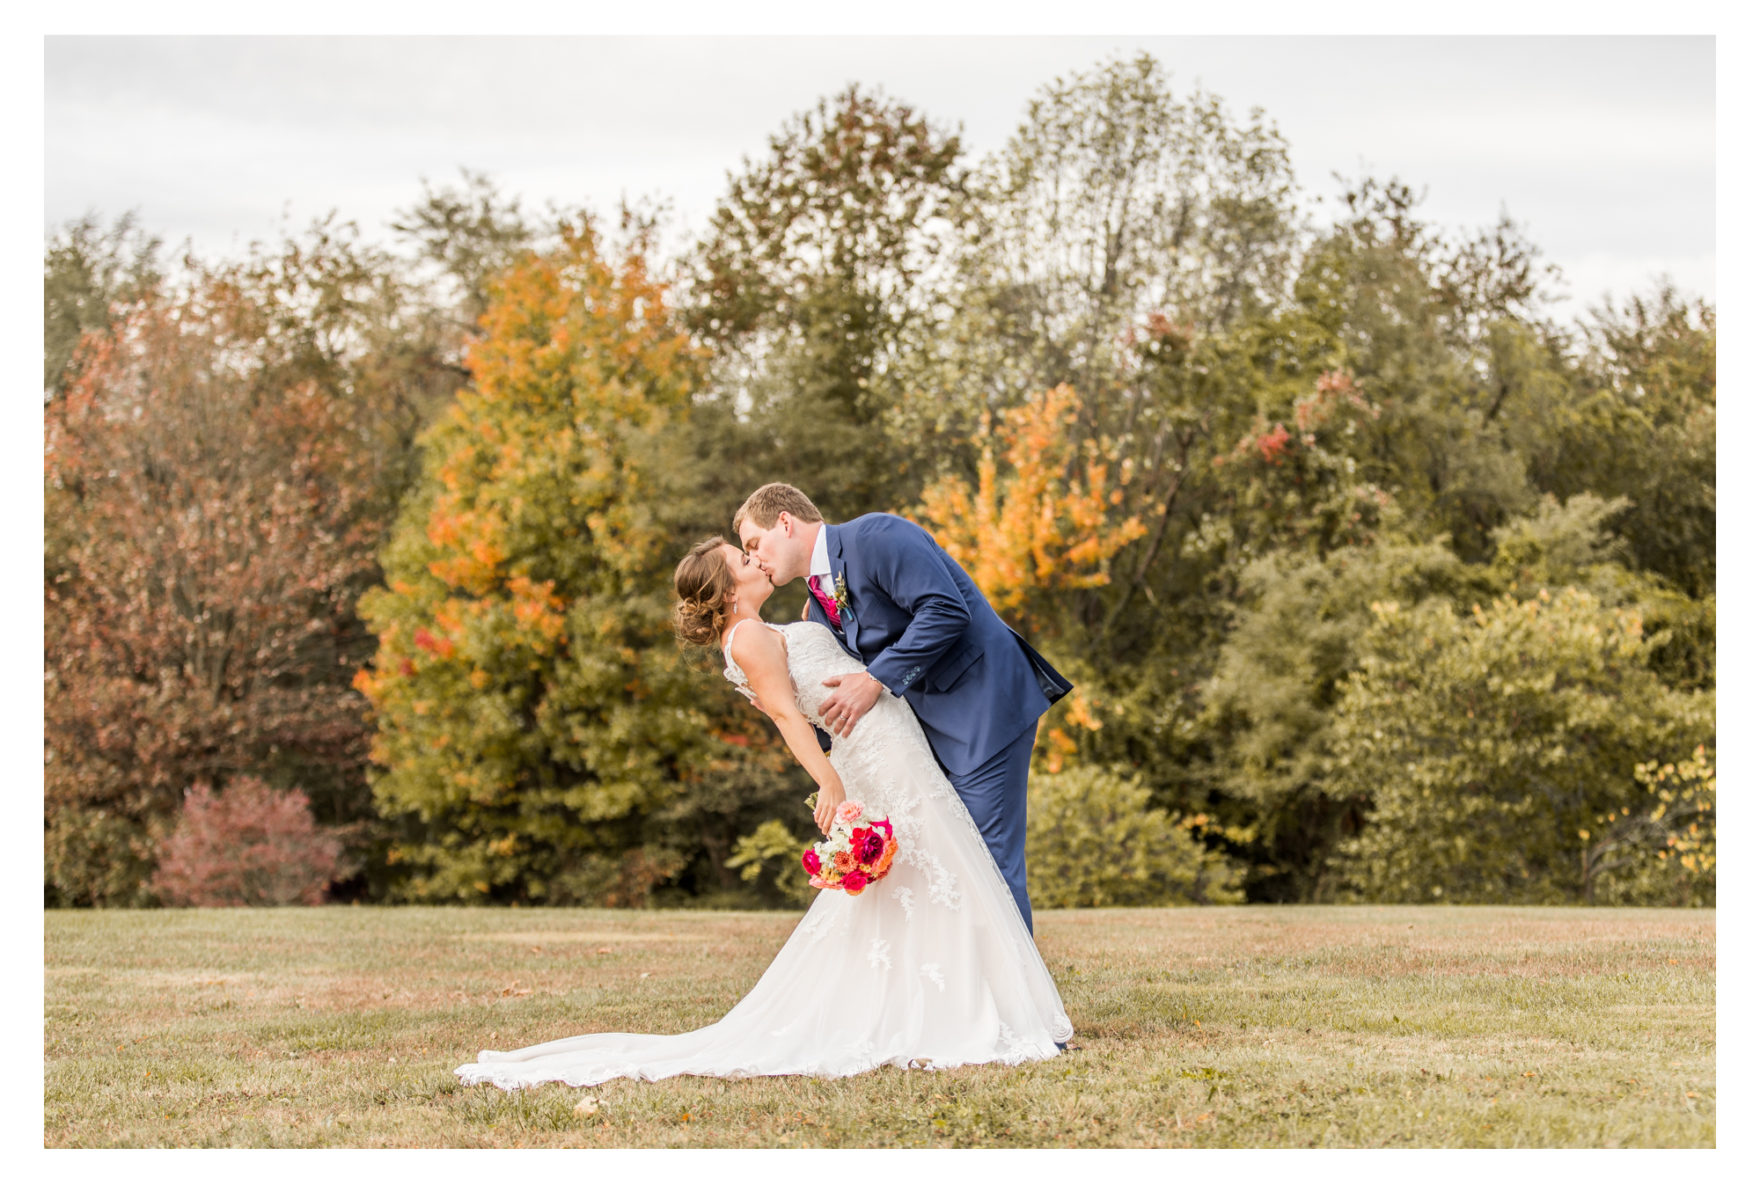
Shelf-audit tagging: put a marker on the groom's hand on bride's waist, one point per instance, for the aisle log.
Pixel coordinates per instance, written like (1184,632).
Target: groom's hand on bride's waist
(850,700)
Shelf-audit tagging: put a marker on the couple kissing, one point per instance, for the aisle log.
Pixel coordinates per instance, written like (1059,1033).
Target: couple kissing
(901,690)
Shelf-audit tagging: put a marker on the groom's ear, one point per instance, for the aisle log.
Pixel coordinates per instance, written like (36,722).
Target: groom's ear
(787,522)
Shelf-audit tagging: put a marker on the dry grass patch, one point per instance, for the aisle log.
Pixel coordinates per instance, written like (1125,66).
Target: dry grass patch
(1206,1027)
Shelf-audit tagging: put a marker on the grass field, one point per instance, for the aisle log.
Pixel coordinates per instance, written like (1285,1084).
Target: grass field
(1198,1027)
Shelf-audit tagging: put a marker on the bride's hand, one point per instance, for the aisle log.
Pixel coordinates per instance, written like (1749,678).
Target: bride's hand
(826,810)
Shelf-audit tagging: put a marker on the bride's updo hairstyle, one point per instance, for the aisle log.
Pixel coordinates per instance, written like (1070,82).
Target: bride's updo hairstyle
(703,583)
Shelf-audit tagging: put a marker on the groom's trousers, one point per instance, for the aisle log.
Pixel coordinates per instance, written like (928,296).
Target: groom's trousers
(996,795)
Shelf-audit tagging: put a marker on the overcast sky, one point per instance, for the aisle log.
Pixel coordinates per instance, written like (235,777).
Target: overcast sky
(1603,147)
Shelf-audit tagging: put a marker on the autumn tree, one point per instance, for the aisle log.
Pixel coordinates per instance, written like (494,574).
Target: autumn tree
(534,716)
(1037,521)
(1179,428)
(208,530)
(248,845)
(1663,848)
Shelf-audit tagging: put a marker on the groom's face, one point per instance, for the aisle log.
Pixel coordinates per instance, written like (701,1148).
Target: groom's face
(777,549)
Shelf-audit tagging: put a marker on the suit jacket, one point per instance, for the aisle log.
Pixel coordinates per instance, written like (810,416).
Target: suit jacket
(918,622)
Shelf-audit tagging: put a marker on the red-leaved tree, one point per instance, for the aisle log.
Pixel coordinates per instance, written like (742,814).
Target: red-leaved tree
(206,536)
(247,845)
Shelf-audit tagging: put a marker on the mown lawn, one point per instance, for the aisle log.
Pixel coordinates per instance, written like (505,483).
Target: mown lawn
(1203,1027)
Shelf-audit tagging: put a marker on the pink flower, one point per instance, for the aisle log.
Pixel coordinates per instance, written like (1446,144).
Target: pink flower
(810,861)
(854,882)
(884,825)
(849,811)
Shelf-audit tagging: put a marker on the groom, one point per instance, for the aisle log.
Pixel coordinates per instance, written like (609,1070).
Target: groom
(900,604)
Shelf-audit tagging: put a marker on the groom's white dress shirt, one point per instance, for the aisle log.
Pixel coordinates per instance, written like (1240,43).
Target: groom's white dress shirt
(819,569)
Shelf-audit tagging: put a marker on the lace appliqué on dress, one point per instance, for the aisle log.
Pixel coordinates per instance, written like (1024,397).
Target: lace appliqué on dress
(823,919)
(880,954)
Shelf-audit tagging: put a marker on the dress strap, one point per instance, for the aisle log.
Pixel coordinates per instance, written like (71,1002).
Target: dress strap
(727,643)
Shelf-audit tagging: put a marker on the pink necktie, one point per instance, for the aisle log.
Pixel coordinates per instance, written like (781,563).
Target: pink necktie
(829,606)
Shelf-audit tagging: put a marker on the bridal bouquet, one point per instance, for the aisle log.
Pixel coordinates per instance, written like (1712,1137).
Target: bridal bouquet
(857,853)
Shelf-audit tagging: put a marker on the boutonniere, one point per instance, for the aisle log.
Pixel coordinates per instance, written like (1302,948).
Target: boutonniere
(840,594)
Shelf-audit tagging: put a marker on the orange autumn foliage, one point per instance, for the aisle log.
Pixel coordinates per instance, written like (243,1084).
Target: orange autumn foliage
(1038,519)
(529,700)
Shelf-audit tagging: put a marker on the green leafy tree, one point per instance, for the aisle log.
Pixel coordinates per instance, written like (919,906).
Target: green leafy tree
(1585,542)
(1446,338)
(1484,743)
(1298,633)
(1233,459)
(90,275)
(815,266)
(1113,200)
(1094,841)
(1640,422)
(1269,706)
(466,234)
(772,853)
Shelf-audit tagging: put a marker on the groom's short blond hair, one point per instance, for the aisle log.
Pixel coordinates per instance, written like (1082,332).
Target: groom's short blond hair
(771,500)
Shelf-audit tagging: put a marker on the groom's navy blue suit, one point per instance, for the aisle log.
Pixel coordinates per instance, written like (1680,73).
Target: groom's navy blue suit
(924,631)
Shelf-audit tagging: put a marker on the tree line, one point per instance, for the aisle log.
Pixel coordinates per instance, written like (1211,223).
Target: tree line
(1377,583)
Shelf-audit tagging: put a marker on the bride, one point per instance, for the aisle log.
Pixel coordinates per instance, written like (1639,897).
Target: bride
(931,967)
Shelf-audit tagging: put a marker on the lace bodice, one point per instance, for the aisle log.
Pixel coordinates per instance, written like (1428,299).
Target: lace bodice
(814,655)
(880,737)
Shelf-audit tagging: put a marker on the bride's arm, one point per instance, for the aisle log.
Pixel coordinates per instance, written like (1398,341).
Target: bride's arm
(760,653)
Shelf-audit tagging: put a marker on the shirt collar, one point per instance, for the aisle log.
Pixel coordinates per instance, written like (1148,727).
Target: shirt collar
(821,563)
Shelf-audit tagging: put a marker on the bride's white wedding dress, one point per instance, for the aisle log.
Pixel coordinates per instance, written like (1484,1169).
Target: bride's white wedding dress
(931,967)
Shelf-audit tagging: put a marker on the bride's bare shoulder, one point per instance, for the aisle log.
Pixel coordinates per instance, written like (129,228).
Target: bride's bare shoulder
(756,646)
